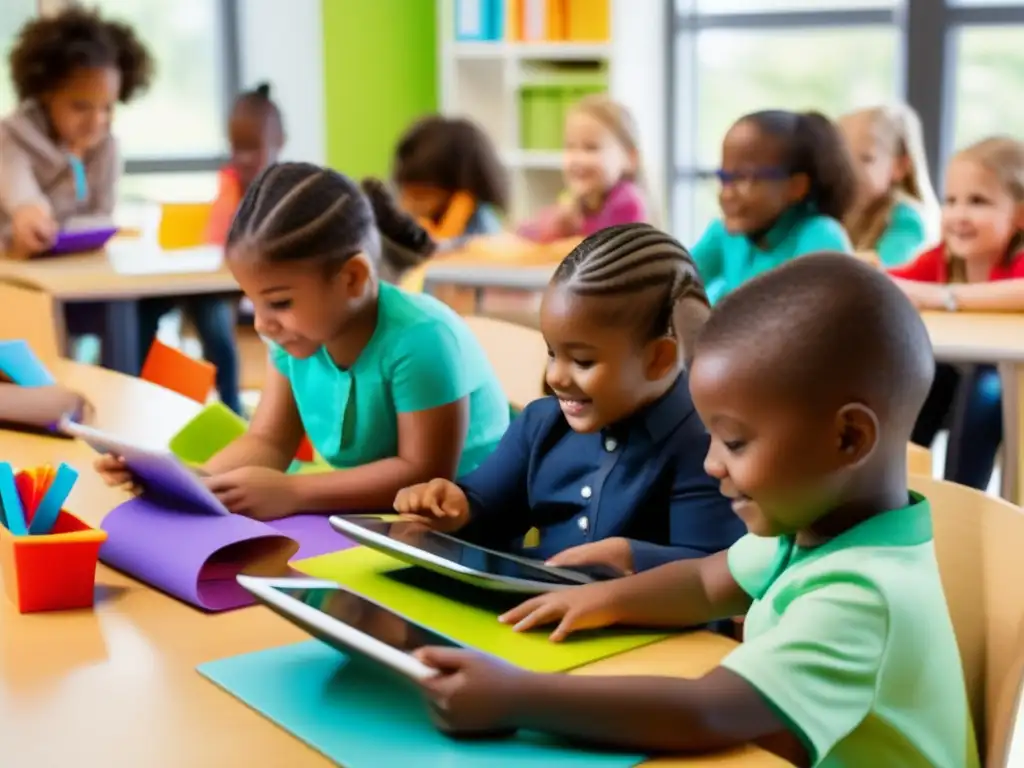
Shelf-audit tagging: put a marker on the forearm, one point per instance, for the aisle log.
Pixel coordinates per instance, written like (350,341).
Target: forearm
(650,714)
(679,594)
(250,451)
(997,296)
(647,556)
(371,486)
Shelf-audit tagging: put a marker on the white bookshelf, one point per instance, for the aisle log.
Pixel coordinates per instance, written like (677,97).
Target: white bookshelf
(482,81)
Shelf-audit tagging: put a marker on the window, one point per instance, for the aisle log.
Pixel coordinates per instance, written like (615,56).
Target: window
(739,56)
(989,82)
(15,14)
(173,137)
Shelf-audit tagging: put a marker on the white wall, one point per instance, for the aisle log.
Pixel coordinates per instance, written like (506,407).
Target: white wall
(639,79)
(281,43)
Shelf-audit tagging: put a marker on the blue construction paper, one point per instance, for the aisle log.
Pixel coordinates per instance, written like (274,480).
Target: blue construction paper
(19,364)
(49,508)
(357,714)
(14,512)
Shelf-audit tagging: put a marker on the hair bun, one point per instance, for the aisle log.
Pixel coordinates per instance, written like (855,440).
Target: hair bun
(262,90)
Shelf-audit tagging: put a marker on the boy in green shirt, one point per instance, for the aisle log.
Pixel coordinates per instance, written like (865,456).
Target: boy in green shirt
(809,379)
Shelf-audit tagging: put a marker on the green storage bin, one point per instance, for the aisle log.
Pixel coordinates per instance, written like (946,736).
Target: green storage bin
(542,116)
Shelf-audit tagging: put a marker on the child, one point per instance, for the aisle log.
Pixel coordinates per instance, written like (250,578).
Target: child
(256,136)
(404,242)
(391,388)
(58,158)
(787,182)
(892,215)
(603,173)
(450,178)
(809,378)
(978,267)
(609,469)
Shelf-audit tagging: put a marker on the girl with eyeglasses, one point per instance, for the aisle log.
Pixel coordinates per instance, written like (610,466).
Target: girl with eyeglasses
(787,181)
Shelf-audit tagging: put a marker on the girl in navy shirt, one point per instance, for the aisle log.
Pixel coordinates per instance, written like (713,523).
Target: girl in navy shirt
(610,468)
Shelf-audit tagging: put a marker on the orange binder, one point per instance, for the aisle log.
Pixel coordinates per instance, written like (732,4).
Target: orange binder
(174,370)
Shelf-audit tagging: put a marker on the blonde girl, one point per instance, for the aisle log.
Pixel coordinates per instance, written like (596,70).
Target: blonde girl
(603,174)
(979,266)
(895,213)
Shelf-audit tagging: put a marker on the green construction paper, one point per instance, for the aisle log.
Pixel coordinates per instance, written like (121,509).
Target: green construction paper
(465,613)
(357,715)
(210,431)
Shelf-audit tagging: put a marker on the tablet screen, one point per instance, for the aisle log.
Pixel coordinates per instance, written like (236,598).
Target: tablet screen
(367,617)
(463,553)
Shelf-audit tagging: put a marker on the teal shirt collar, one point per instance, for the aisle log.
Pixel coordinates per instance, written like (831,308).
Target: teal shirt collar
(771,239)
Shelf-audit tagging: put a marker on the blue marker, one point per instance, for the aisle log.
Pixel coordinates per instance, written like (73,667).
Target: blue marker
(53,501)
(11,499)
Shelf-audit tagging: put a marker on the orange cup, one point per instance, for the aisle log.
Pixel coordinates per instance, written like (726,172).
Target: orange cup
(53,572)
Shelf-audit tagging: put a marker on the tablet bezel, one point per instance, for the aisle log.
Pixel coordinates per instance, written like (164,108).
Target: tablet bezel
(413,555)
(132,452)
(311,620)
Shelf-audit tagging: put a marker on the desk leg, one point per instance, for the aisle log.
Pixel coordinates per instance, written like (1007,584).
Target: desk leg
(121,341)
(1012,377)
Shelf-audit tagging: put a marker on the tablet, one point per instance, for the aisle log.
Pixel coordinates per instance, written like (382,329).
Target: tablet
(348,621)
(417,544)
(82,240)
(160,473)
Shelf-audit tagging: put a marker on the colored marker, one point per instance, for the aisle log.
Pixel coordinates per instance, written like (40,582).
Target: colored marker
(53,501)
(12,501)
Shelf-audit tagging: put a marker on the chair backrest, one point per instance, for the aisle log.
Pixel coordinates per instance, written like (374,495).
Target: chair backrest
(919,460)
(519,356)
(28,314)
(979,543)
(174,370)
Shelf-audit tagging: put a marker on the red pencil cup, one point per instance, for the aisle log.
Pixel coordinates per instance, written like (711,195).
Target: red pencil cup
(53,572)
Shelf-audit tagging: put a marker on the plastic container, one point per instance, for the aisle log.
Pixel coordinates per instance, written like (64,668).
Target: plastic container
(210,431)
(55,572)
(542,115)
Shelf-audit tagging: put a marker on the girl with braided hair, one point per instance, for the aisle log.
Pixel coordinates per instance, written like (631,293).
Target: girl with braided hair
(610,468)
(391,388)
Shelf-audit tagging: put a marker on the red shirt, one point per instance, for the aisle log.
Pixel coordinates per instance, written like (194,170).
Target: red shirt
(933,267)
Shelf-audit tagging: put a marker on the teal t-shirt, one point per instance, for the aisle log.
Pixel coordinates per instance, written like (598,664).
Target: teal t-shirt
(852,645)
(903,238)
(421,356)
(726,261)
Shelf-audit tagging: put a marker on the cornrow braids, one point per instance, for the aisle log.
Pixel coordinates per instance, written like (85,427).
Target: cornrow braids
(295,211)
(630,259)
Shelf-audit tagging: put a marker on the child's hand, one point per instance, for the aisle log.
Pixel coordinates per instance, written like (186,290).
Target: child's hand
(615,552)
(440,504)
(464,695)
(256,492)
(923,295)
(568,217)
(33,229)
(115,472)
(589,607)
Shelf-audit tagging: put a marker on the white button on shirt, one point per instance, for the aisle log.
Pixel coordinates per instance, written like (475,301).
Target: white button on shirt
(586,492)
(583,523)
(611,444)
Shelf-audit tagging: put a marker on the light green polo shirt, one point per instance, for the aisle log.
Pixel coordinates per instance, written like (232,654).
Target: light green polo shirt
(421,356)
(852,644)
(726,261)
(903,238)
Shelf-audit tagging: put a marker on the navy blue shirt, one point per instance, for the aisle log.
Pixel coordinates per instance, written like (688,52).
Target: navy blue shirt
(642,479)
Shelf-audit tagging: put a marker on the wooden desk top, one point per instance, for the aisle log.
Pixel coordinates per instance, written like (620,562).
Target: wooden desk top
(977,337)
(90,276)
(116,687)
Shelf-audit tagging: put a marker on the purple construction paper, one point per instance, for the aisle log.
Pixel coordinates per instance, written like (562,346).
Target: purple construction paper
(196,557)
(169,483)
(314,533)
(168,549)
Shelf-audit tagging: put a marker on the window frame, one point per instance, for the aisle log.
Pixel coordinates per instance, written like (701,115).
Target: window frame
(925,77)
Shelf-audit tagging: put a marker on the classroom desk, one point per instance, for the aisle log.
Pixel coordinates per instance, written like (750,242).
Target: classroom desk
(116,687)
(92,277)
